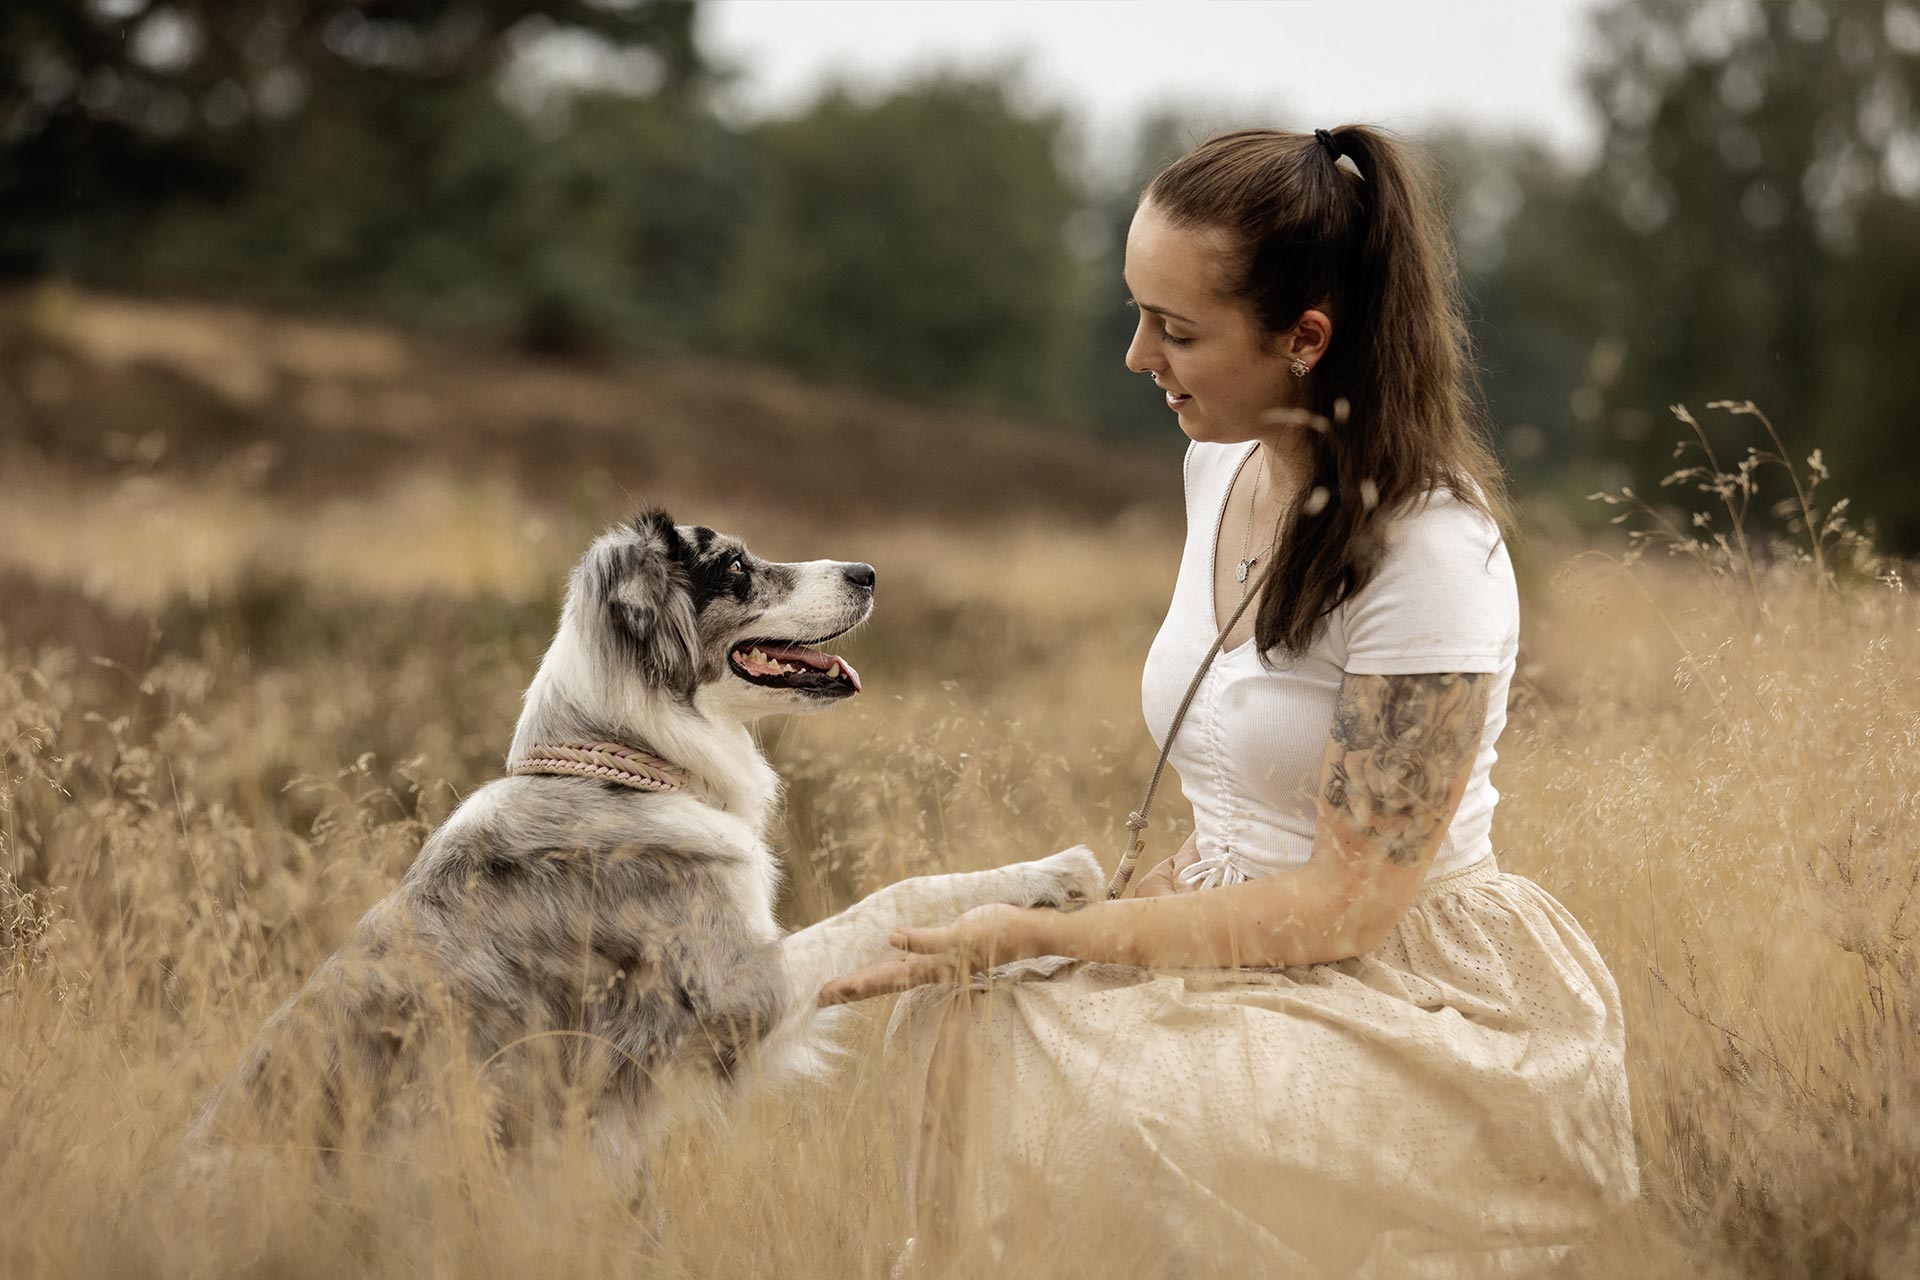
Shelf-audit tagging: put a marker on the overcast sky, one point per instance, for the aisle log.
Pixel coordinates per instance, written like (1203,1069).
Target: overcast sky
(1404,64)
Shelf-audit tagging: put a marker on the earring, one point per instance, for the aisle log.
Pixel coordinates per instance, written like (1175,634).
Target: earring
(1300,368)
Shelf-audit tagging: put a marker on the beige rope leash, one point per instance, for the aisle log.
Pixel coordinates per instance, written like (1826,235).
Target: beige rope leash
(1137,820)
(608,761)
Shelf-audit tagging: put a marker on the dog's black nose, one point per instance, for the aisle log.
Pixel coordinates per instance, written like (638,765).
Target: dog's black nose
(860,575)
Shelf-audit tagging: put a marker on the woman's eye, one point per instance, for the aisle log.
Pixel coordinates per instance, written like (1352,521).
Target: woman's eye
(1169,338)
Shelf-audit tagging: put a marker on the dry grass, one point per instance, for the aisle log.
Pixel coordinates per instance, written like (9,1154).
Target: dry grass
(229,714)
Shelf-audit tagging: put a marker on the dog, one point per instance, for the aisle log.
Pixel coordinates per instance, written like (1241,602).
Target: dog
(596,929)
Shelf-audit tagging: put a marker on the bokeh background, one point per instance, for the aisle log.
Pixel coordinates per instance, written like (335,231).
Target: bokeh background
(331,332)
(1657,201)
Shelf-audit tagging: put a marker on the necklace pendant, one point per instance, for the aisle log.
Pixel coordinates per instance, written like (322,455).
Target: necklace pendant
(1240,571)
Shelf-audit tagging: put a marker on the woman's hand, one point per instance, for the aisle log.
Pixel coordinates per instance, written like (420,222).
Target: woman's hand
(983,937)
(1165,876)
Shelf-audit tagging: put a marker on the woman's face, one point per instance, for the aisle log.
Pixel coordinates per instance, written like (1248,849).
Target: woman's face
(1222,372)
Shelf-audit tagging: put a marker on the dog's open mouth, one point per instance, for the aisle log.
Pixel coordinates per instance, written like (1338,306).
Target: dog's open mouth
(785,664)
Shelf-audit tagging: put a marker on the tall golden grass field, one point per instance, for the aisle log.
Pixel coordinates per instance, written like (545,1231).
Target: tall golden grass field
(270,592)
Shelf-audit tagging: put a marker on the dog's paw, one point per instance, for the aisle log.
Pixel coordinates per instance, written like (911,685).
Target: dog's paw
(1069,878)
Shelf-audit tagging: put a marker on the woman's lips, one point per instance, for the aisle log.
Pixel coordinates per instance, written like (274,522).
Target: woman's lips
(1177,402)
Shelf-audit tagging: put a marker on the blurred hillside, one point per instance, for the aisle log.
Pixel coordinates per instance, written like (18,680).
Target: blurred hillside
(111,388)
(169,466)
(565,178)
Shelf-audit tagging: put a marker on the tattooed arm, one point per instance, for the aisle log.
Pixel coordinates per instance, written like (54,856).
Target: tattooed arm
(1397,762)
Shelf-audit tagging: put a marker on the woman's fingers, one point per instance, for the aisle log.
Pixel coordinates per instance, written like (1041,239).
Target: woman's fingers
(1157,881)
(885,978)
(938,954)
(932,940)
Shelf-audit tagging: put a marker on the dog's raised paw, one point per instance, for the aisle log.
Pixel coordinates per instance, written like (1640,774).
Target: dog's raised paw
(1070,878)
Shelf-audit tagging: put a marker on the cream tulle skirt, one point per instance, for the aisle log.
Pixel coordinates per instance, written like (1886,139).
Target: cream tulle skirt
(1454,1103)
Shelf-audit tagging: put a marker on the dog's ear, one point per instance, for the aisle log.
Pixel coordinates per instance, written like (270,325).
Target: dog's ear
(655,523)
(645,588)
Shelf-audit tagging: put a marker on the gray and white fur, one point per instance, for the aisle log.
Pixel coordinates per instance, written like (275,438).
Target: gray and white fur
(572,942)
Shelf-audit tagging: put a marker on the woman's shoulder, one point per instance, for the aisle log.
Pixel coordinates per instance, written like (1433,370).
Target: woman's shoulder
(1441,597)
(1441,517)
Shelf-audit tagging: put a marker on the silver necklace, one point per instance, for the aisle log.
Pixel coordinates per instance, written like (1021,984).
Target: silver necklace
(1247,562)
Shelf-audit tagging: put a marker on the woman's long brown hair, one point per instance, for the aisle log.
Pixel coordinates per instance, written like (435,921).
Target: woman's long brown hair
(1394,403)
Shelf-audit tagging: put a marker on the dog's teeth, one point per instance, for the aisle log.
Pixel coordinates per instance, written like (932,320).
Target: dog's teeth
(756,656)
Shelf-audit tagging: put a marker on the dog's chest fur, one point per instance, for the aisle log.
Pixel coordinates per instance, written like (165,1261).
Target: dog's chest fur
(599,947)
(645,918)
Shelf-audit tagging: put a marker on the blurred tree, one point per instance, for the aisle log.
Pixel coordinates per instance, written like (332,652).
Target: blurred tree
(1117,401)
(1872,381)
(1749,225)
(915,243)
(1532,251)
(362,154)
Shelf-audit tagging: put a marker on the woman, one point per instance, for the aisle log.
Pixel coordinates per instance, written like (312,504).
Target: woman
(1329,1030)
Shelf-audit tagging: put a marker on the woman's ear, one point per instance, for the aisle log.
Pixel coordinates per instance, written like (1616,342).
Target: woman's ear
(1307,338)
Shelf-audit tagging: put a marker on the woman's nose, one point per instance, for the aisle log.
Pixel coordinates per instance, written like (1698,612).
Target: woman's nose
(1139,356)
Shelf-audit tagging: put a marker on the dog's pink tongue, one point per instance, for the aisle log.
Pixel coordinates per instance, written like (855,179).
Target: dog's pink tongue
(795,653)
(800,655)
(816,659)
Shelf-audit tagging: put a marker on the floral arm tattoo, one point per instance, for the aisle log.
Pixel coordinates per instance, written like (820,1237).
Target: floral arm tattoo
(1400,743)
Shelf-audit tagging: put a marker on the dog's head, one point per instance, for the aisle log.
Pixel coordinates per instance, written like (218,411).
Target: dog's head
(695,614)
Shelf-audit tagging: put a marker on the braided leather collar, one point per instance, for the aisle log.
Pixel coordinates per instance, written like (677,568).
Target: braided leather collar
(607,761)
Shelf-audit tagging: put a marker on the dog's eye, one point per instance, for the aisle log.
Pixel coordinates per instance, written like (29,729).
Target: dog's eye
(736,567)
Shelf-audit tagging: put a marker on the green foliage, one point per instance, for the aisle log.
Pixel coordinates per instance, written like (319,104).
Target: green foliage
(361,159)
(1739,235)
(440,206)
(915,243)
(1871,384)
(1116,400)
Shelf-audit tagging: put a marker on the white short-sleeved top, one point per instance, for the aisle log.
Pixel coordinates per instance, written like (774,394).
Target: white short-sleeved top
(1248,754)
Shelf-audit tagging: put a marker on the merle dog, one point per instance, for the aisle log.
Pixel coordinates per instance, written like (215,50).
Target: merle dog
(585,936)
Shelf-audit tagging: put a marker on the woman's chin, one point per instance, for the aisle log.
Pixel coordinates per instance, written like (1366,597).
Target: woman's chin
(1194,423)
(1198,429)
